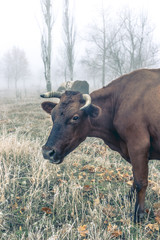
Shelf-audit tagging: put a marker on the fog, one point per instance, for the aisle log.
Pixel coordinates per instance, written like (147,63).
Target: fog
(21,26)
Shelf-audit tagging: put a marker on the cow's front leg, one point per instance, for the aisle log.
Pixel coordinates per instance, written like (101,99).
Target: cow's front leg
(139,162)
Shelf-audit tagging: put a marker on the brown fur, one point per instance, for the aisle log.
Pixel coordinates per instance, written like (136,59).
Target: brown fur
(125,114)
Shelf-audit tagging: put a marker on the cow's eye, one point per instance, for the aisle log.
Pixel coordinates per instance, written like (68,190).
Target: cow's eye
(75,117)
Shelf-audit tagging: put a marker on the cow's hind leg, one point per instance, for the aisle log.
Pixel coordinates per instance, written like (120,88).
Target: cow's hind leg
(139,160)
(131,192)
(141,187)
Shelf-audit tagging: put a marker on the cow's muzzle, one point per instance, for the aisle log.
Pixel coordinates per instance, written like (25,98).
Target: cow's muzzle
(51,155)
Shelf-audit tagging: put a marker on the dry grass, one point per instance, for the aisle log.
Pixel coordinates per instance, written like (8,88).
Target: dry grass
(83,198)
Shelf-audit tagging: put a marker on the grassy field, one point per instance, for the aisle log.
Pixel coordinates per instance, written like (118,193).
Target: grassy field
(83,198)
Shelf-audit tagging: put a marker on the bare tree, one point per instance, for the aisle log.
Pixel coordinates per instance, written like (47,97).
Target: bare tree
(100,40)
(121,47)
(69,39)
(89,63)
(46,40)
(133,47)
(15,67)
(7,69)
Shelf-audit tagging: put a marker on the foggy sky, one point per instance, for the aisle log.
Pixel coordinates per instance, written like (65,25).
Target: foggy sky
(21,22)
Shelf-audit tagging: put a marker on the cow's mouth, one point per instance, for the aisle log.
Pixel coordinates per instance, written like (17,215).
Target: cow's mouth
(57,161)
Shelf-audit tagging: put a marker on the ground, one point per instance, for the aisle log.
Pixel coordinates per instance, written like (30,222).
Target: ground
(83,198)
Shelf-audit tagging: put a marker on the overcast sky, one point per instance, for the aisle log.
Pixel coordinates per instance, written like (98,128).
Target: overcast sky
(19,20)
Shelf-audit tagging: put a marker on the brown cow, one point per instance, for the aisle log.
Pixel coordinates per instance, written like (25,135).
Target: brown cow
(125,114)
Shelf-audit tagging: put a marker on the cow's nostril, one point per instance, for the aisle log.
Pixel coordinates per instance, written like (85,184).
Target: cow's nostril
(51,153)
(48,153)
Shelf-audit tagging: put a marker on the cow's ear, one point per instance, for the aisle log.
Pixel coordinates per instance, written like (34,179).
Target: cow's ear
(48,106)
(93,111)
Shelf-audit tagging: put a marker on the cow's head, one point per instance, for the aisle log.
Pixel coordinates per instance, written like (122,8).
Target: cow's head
(71,124)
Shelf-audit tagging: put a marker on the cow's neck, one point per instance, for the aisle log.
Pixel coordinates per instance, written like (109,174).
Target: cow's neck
(102,126)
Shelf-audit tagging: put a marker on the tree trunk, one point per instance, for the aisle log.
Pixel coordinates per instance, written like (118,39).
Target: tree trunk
(46,41)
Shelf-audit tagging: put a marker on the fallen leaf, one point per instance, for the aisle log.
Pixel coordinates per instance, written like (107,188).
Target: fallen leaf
(62,181)
(105,222)
(18,198)
(87,188)
(110,172)
(89,168)
(130,183)
(101,174)
(93,180)
(119,169)
(80,177)
(119,176)
(156,188)
(114,231)
(153,227)
(150,182)
(108,178)
(100,169)
(46,210)
(75,164)
(125,175)
(157,219)
(83,230)
(155,174)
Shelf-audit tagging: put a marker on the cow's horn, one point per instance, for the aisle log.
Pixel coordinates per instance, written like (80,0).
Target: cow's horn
(87,98)
(51,95)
